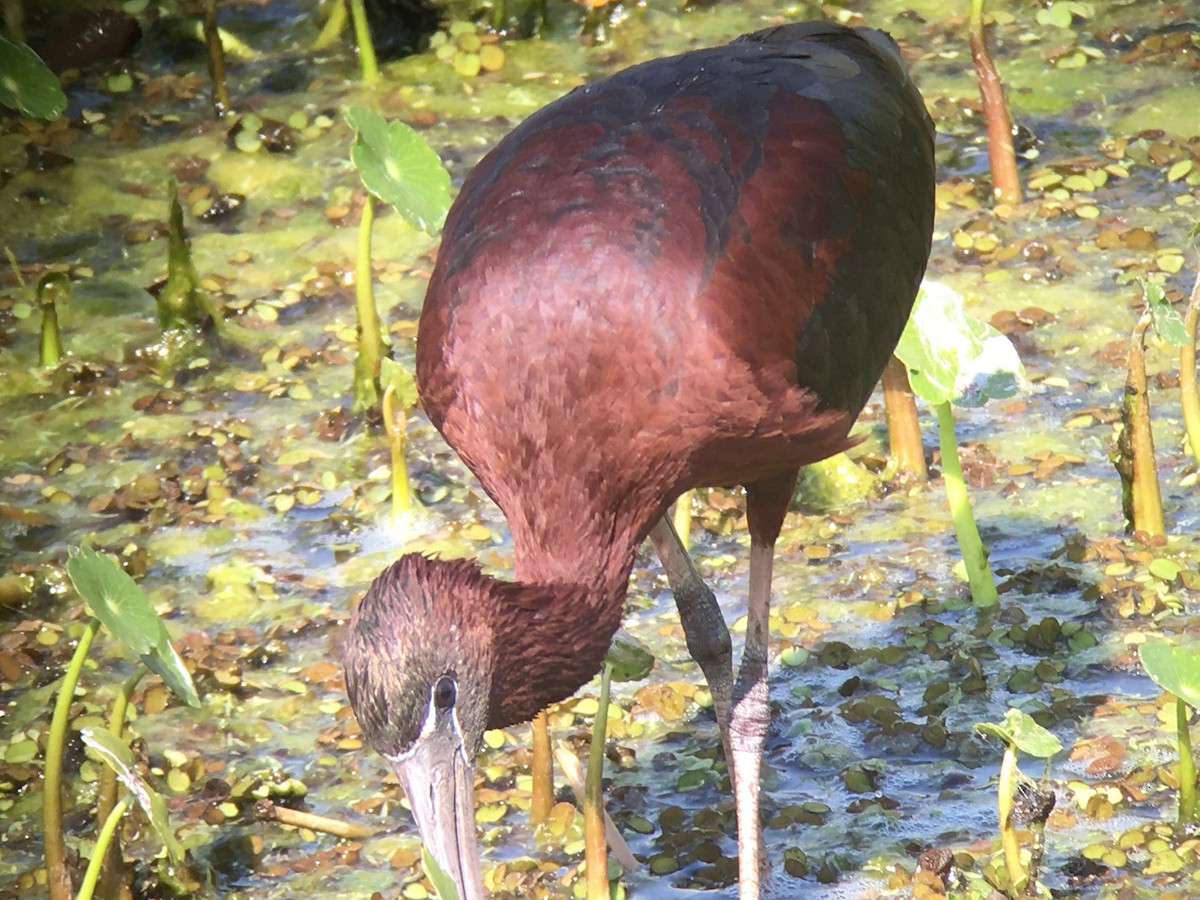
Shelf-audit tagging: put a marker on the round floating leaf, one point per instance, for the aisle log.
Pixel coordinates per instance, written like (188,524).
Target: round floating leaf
(400,168)
(114,598)
(953,357)
(27,85)
(1174,668)
(120,759)
(123,608)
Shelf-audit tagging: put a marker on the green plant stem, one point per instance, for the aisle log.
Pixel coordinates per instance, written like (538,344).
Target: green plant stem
(394,427)
(51,349)
(362,36)
(1145,496)
(1005,792)
(333,26)
(112,872)
(1187,766)
(595,853)
(370,340)
(681,518)
(58,878)
(1189,396)
(109,829)
(975,558)
(50,290)
(14,21)
(216,60)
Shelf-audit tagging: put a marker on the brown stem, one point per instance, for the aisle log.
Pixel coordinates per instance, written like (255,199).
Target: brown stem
(1006,184)
(1188,395)
(266,811)
(1144,507)
(594,840)
(542,770)
(904,429)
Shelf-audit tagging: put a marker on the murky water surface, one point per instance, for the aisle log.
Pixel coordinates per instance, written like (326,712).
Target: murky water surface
(233,483)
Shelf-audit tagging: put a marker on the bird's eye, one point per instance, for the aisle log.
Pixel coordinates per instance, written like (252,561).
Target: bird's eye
(445,692)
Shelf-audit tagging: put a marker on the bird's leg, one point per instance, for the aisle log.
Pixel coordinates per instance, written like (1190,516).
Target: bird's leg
(703,625)
(766,505)
(541,770)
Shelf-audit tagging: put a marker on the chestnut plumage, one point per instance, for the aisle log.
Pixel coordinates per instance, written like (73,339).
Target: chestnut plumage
(689,273)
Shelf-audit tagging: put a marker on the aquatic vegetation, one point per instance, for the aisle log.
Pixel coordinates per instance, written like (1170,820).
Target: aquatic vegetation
(117,603)
(906,451)
(1134,456)
(50,289)
(1176,669)
(1189,395)
(399,387)
(1002,158)
(1020,734)
(183,303)
(27,84)
(251,458)
(954,358)
(398,167)
(216,60)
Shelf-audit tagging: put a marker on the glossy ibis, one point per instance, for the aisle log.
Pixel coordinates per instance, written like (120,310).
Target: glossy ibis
(689,273)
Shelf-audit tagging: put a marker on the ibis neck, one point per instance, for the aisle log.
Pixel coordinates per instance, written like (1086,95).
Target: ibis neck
(554,632)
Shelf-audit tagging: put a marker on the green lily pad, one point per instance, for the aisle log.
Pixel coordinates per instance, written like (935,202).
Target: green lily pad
(1174,668)
(953,357)
(27,84)
(114,598)
(400,168)
(123,608)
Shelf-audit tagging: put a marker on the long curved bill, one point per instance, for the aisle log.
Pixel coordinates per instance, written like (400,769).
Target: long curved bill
(436,775)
